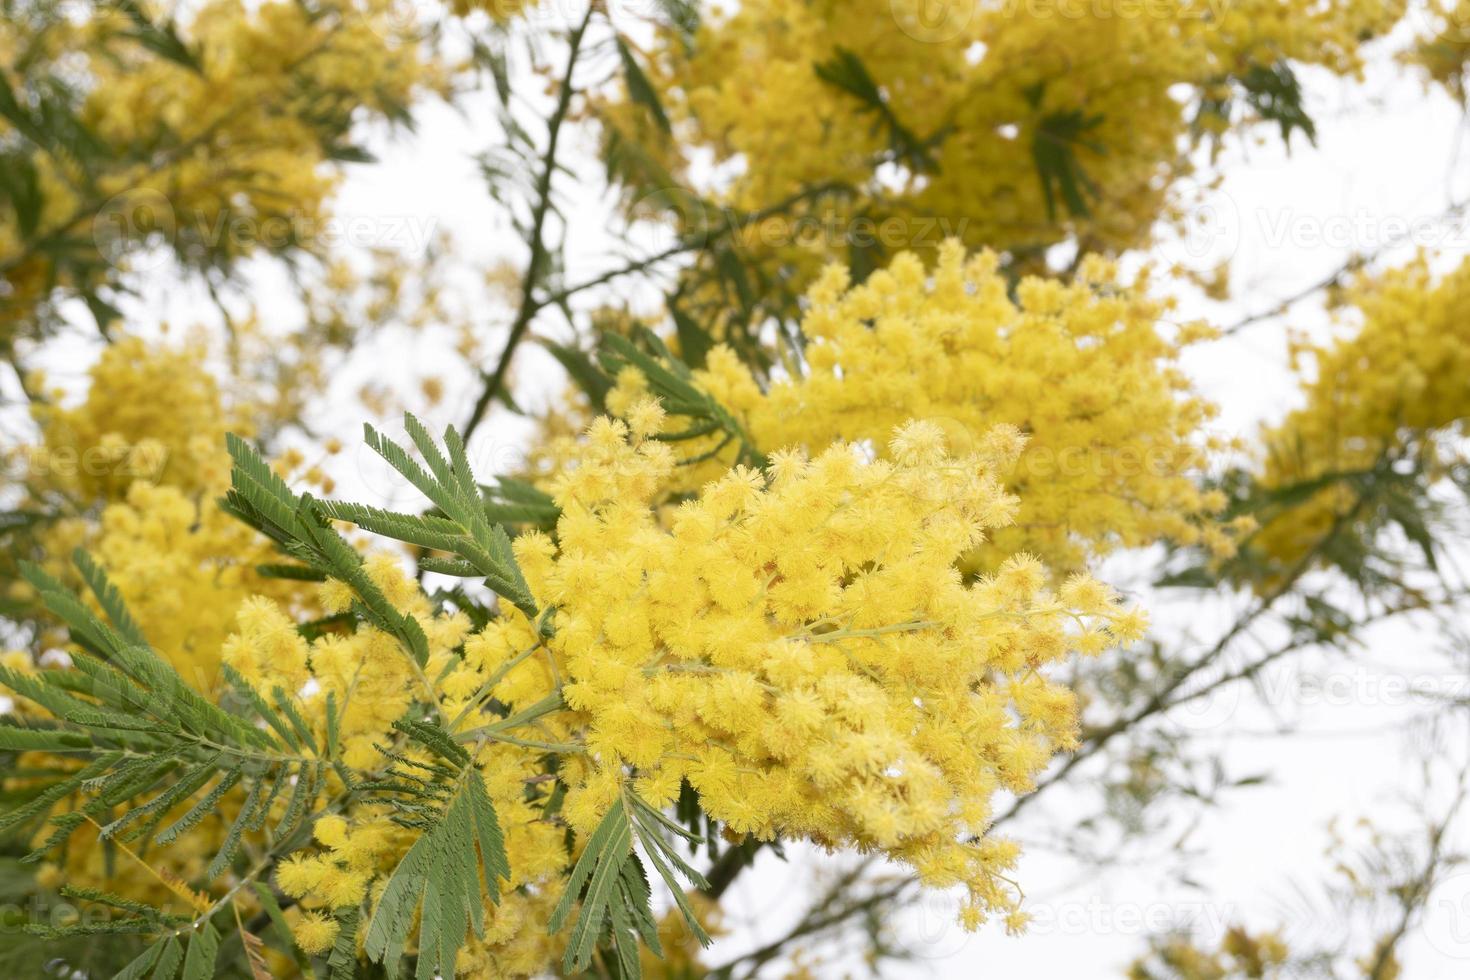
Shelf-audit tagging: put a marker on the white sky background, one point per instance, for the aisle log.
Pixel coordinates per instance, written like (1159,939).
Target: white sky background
(1387,150)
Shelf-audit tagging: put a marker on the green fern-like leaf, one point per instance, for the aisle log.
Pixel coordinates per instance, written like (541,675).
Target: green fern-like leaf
(447,873)
(598,871)
(465,530)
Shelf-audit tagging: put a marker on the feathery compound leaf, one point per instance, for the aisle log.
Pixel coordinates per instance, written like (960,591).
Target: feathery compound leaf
(463,475)
(51,795)
(200,810)
(453,567)
(168,963)
(334,725)
(257,493)
(637,906)
(266,713)
(287,707)
(85,628)
(231,842)
(149,693)
(640,89)
(399,459)
(436,740)
(599,869)
(50,693)
(144,963)
(666,860)
(466,530)
(424,531)
(342,961)
(426,446)
(298,573)
(121,903)
(318,541)
(130,778)
(188,783)
(303,795)
(203,950)
(512,501)
(41,739)
(442,872)
(108,598)
(506,578)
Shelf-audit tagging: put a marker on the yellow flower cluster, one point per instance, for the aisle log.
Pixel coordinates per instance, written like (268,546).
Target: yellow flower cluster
(367,673)
(146,446)
(132,472)
(279,85)
(1082,371)
(183,565)
(1442,51)
(1393,382)
(802,649)
(372,682)
(1241,955)
(798,646)
(151,413)
(995,87)
(221,161)
(278,80)
(359,849)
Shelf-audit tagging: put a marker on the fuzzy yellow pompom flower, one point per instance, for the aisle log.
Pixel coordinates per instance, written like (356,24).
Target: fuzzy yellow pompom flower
(315,933)
(267,651)
(331,830)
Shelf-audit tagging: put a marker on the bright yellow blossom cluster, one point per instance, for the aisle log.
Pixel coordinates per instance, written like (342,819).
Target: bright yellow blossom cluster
(278,81)
(1035,122)
(803,651)
(832,608)
(1083,372)
(797,645)
(151,413)
(1394,382)
(182,565)
(220,148)
(364,671)
(132,471)
(360,848)
(371,684)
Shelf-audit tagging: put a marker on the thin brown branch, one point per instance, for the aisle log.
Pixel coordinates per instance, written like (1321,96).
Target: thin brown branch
(540,254)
